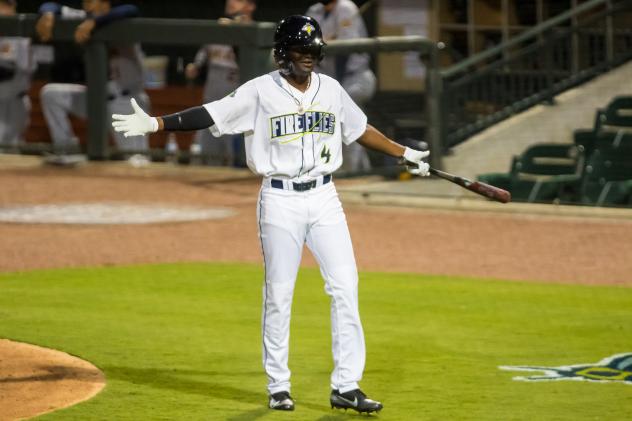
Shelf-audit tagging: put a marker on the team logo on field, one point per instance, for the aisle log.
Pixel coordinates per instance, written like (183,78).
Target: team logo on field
(300,124)
(617,368)
(308,27)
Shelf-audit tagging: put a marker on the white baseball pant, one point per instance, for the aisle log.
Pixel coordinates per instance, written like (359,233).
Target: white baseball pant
(61,99)
(14,119)
(287,220)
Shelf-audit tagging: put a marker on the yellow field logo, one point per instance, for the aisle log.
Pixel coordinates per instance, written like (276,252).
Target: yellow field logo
(617,368)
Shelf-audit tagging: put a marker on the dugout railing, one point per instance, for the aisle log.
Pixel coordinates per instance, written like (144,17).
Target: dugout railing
(534,66)
(254,41)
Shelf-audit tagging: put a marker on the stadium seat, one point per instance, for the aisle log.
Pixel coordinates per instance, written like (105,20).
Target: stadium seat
(612,127)
(596,169)
(607,178)
(618,113)
(544,172)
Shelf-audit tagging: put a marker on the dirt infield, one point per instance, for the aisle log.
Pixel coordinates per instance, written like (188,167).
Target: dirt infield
(479,244)
(443,242)
(36,380)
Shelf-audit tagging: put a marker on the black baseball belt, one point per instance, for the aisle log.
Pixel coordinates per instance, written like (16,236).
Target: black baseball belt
(305,186)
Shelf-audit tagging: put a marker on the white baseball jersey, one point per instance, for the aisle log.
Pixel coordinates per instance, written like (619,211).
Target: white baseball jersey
(290,134)
(343,22)
(222,73)
(16,67)
(15,55)
(222,78)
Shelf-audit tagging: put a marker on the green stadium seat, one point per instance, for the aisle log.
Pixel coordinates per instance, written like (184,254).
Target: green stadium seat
(502,180)
(607,179)
(617,114)
(612,127)
(544,172)
(585,138)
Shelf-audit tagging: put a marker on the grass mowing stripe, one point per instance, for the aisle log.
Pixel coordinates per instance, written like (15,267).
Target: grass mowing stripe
(182,341)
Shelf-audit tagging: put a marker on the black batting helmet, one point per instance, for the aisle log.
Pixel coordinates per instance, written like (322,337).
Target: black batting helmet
(297,31)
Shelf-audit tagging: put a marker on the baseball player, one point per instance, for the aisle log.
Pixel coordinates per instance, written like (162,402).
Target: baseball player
(222,77)
(295,122)
(341,19)
(126,74)
(16,67)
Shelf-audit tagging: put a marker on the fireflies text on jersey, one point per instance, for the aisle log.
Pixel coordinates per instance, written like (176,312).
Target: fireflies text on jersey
(309,122)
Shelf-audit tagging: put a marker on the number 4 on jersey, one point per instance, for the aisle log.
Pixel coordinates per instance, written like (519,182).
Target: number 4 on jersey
(325,154)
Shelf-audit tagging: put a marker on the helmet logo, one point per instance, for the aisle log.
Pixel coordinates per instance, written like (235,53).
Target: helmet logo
(308,27)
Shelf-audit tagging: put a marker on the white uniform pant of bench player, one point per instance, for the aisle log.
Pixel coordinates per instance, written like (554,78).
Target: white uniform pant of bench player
(288,220)
(14,119)
(361,87)
(61,99)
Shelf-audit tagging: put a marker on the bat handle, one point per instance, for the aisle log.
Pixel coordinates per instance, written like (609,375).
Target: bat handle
(448,176)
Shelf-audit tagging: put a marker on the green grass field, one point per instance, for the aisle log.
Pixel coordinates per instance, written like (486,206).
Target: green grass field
(182,341)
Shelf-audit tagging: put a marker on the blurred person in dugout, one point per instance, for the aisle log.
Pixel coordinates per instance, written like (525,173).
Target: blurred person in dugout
(222,78)
(126,78)
(341,19)
(16,68)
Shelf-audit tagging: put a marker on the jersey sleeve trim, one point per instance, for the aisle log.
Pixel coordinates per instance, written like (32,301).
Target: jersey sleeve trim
(357,133)
(217,129)
(236,112)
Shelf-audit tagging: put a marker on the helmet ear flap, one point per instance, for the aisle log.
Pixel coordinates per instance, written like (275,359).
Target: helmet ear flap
(282,59)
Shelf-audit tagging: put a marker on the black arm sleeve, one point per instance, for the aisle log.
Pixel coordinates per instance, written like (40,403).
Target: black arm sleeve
(195,118)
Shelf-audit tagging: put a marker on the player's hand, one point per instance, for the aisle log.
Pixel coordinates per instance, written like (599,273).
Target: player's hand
(44,26)
(137,124)
(414,162)
(84,31)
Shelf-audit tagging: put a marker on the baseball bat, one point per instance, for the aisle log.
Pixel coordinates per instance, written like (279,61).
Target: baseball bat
(487,190)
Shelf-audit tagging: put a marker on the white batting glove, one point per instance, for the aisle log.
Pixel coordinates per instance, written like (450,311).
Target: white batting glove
(137,124)
(415,157)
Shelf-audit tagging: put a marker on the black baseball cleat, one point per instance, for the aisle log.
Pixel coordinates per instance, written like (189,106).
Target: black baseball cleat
(281,401)
(354,399)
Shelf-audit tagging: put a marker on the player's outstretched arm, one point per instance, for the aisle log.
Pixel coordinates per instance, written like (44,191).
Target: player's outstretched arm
(141,123)
(373,139)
